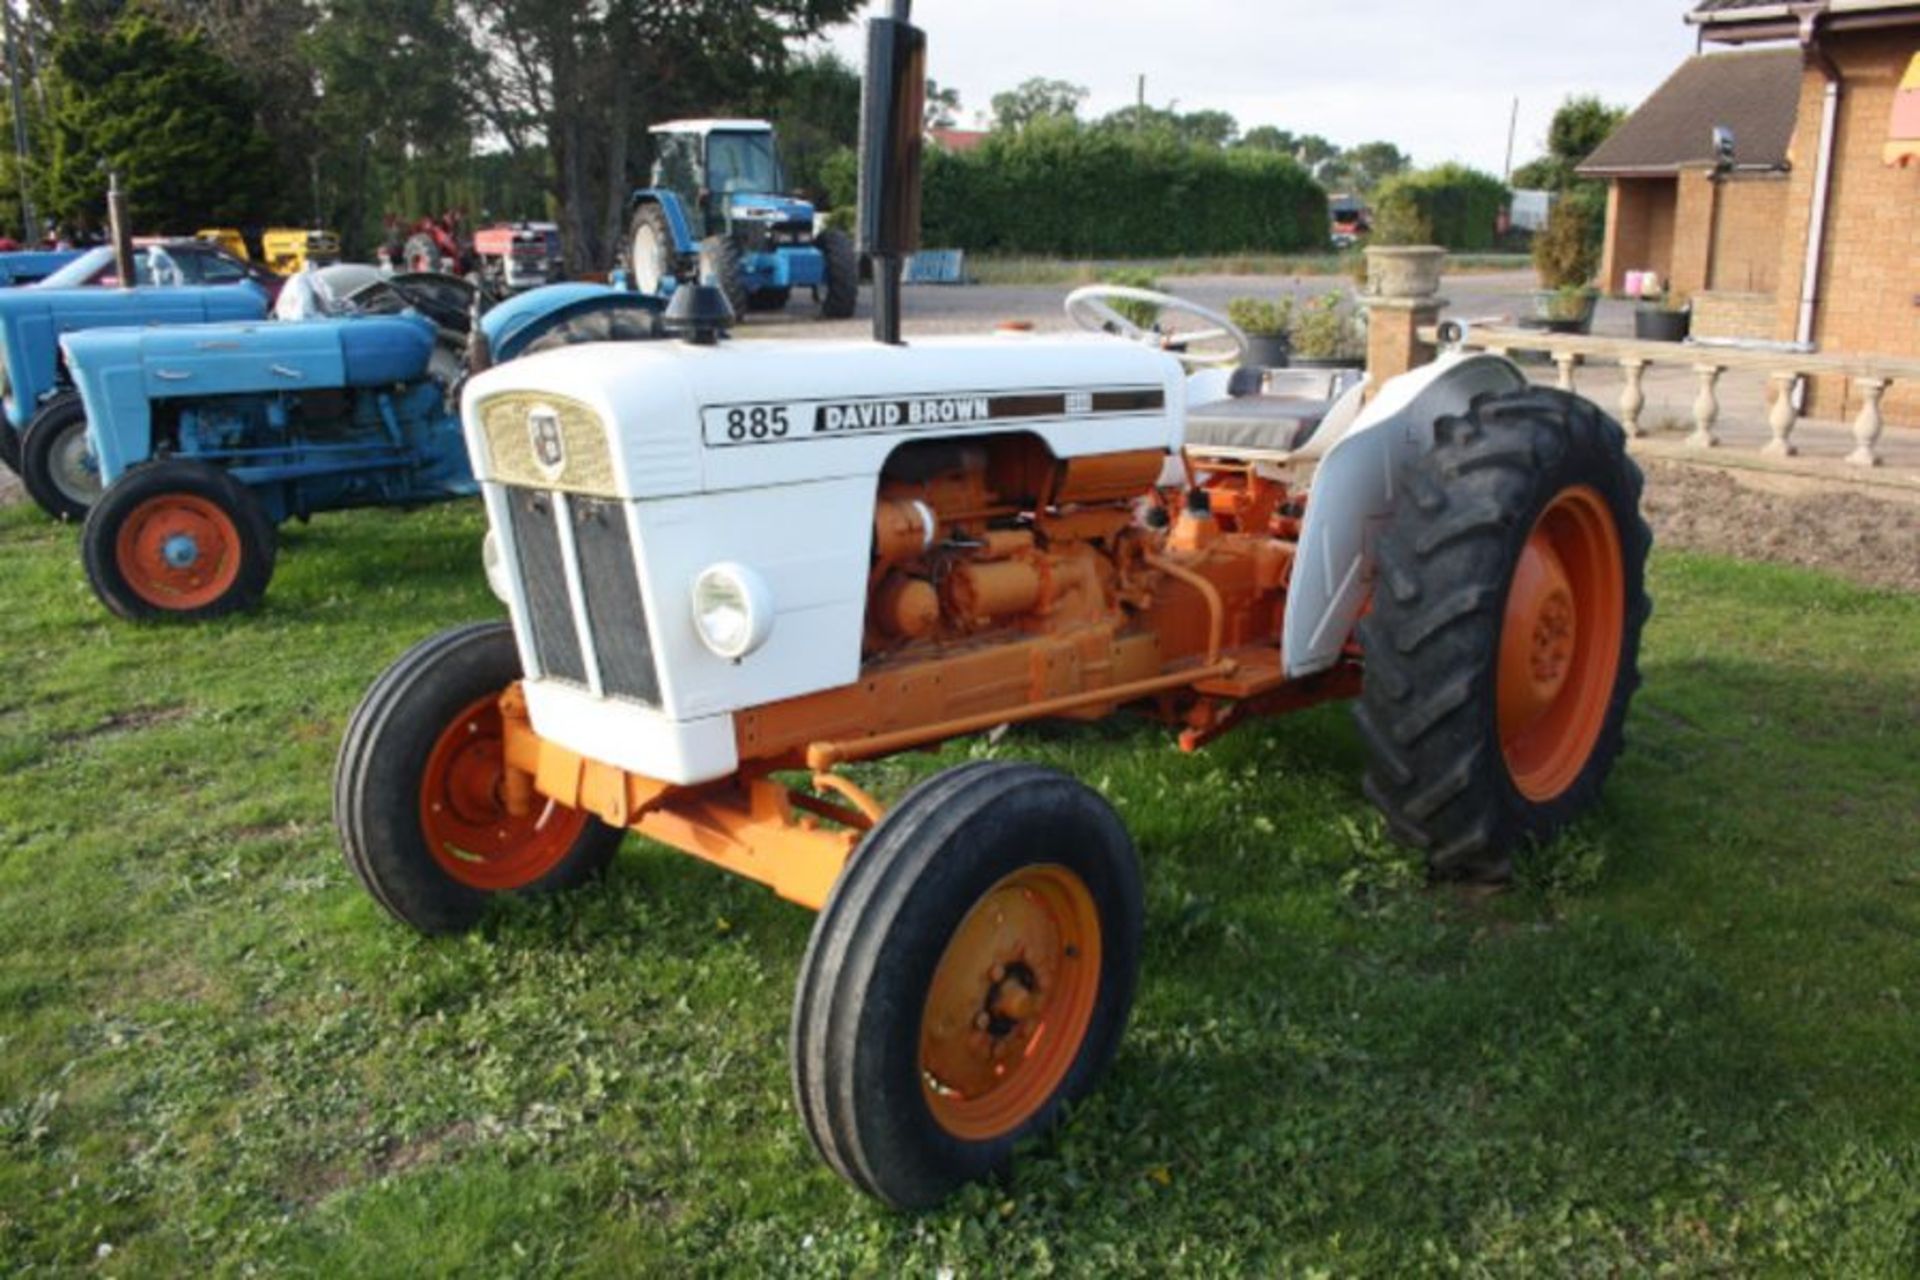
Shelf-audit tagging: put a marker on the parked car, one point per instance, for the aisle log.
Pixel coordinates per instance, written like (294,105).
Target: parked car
(165,263)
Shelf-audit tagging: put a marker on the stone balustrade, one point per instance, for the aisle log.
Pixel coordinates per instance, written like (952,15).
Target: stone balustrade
(1709,364)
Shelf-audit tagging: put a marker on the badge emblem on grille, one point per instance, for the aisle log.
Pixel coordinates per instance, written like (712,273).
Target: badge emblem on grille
(549,446)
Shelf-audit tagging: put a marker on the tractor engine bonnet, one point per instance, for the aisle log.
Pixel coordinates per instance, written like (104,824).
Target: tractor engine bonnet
(616,477)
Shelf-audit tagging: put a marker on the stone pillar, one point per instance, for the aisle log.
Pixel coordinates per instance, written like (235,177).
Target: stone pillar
(1403,297)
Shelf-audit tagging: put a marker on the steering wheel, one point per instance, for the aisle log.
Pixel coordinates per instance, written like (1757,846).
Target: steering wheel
(1092,308)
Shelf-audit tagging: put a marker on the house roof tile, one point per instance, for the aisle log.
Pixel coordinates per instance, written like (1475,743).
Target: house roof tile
(1755,94)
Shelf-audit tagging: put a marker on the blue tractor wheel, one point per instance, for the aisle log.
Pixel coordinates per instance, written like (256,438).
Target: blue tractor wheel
(178,540)
(55,464)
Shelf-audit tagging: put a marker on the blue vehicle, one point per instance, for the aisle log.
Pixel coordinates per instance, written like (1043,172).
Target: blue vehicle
(716,208)
(31,266)
(209,438)
(43,436)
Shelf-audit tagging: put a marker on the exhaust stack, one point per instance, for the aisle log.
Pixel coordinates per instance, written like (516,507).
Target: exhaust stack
(893,104)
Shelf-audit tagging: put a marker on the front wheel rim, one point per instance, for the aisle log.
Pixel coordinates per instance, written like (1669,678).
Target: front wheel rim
(1010,1003)
(646,260)
(463,814)
(1560,643)
(178,551)
(73,469)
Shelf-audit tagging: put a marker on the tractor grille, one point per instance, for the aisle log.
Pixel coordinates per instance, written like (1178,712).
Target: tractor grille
(619,641)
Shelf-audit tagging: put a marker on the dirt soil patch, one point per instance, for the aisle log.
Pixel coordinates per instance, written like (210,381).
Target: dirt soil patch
(1788,520)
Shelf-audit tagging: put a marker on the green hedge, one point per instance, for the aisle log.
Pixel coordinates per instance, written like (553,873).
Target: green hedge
(1068,191)
(1456,206)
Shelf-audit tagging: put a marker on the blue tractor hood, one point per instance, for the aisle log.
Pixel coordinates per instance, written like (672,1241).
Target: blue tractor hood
(33,321)
(769,208)
(567,313)
(120,373)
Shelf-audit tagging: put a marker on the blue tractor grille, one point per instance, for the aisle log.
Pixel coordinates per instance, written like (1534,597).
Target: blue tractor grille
(615,657)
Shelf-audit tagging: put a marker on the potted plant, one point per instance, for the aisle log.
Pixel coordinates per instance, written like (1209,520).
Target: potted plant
(1402,259)
(1665,317)
(1269,330)
(1566,258)
(1326,335)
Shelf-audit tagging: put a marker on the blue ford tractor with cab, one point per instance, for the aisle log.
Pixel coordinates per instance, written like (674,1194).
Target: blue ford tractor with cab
(208,438)
(716,210)
(43,435)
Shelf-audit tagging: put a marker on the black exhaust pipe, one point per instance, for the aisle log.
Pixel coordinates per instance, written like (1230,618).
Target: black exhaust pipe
(893,105)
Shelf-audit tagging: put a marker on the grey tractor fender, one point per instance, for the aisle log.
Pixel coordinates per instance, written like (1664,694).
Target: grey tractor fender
(1353,493)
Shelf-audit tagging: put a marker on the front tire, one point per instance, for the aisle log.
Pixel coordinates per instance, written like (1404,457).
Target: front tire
(1503,646)
(179,540)
(721,262)
(969,978)
(416,791)
(842,293)
(56,466)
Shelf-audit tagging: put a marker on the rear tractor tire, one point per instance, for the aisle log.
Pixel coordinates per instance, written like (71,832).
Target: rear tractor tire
(969,979)
(417,791)
(1503,645)
(842,291)
(178,540)
(56,466)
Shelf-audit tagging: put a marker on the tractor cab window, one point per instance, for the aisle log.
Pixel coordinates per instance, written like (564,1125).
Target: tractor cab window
(676,165)
(743,163)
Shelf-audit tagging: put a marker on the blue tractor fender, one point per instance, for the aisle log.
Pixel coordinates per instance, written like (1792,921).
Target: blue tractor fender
(572,312)
(676,214)
(121,373)
(33,322)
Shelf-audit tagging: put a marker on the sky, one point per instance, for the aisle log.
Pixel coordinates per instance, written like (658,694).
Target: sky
(1436,77)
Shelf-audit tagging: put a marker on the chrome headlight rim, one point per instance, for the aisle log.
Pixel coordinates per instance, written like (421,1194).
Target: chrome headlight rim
(732,610)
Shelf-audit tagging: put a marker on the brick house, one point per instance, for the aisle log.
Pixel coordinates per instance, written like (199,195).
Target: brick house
(1810,231)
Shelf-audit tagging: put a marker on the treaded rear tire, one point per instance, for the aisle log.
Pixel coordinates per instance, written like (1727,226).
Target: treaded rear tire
(864,983)
(377,781)
(1432,642)
(842,292)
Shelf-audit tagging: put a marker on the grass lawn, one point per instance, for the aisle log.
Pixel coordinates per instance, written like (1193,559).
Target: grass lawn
(1689,1039)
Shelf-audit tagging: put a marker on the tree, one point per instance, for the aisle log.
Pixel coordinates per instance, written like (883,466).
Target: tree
(164,111)
(1037,99)
(1214,129)
(1266,137)
(1579,127)
(815,103)
(1372,163)
(943,106)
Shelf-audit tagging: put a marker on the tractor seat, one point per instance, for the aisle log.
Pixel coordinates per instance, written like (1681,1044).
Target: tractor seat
(380,350)
(1258,423)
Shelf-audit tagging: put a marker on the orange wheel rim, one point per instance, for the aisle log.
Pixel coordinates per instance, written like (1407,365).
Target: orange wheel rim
(178,551)
(1010,1003)
(465,820)
(1560,643)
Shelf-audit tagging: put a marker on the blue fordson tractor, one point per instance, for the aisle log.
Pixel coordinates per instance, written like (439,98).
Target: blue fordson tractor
(715,209)
(43,436)
(210,437)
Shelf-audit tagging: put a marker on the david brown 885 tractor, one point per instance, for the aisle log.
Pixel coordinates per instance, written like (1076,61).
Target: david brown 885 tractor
(733,569)
(714,209)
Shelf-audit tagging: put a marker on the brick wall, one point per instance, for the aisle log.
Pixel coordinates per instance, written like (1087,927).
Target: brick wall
(1693,231)
(1871,282)
(1744,316)
(1746,231)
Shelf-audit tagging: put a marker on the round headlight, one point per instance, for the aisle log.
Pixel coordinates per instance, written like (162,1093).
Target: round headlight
(732,610)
